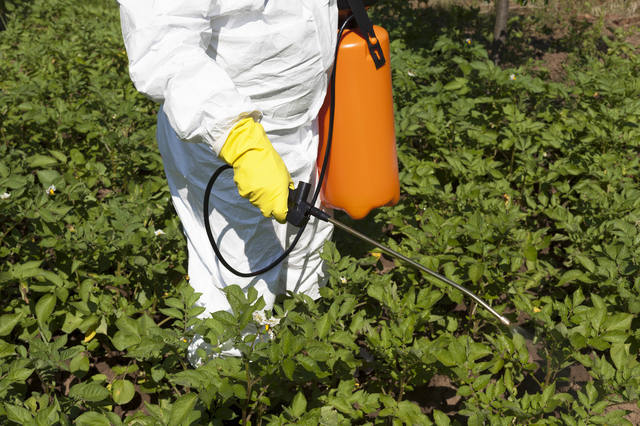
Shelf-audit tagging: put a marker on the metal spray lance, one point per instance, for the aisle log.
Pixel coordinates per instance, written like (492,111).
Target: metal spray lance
(300,210)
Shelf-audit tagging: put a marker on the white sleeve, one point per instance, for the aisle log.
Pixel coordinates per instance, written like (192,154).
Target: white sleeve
(166,41)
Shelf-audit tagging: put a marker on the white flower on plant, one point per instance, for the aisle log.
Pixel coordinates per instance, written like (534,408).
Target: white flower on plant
(512,76)
(343,280)
(159,232)
(272,322)
(51,189)
(468,40)
(410,74)
(261,318)
(5,196)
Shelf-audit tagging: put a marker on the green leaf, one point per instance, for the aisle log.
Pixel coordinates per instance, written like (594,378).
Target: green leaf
(531,254)
(578,297)
(17,414)
(15,182)
(457,352)
(299,404)
(122,391)
(475,272)
(44,309)
(226,390)
(41,161)
(182,407)
(123,341)
(323,325)
(47,177)
(464,391)
(570,421)
(58,155)
(620,356)
(586,262)
(46,417)
(20,375)
(616,336)
(441,418)
(92,392)
(456,84)
(343,338)
(308,363)
(474,420)
(174,303)
(548,392)
(85,290)
(288,366)
(592,393)
(264,400)
(570,276)
(8,322)
(172,312)
(187,378)
(129,325)
(252,295)
(7,349)
(445,357)
(578,341)
(114,419)
(620,321)
(80,365)
(92,419)
(481,382)
(157,373)
(225,317)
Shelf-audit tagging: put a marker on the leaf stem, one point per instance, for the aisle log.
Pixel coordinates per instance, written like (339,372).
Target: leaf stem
(7,232)
(524,181)
(548,376)
(513,154)
(163,321)
(176,390)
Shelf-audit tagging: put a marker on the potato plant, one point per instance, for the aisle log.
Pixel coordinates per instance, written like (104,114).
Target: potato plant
(524,190)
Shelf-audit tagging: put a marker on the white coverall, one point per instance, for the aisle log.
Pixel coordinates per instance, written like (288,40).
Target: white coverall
(211,63)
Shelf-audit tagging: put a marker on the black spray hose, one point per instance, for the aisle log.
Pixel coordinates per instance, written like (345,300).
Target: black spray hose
(207,226)
(332,88)
(294,220)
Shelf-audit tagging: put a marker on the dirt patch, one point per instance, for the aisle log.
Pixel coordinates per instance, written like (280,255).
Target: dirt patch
(549,34)
(553,63)
(438,394)
(633,416)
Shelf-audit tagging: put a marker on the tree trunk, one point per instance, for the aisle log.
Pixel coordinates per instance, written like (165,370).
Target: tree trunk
(500,30)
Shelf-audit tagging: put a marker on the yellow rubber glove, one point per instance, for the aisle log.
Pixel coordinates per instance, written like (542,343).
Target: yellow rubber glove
(258,170)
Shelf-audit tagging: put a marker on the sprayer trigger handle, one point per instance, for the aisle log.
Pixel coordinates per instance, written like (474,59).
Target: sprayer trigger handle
(296,214)
(300,209)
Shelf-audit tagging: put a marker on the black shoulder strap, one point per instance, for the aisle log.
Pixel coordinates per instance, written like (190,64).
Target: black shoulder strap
(365,25)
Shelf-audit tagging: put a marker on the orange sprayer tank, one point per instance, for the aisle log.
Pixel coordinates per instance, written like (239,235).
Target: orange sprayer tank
(363,168)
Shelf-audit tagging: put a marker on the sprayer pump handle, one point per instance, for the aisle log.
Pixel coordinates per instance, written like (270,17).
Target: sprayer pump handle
(300,209)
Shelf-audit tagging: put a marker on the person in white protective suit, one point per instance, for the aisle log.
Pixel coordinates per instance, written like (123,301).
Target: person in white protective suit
(224,70)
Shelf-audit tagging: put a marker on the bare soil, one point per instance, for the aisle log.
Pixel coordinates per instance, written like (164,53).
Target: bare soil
(547,48)
(547,34)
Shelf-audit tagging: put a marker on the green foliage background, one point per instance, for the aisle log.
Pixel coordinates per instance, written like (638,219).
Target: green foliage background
(523,190)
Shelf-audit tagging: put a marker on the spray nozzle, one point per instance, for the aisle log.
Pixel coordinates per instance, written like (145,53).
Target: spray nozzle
(300,209)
